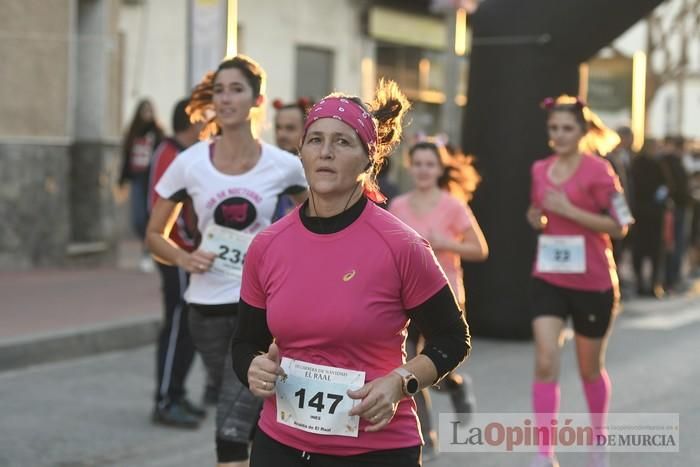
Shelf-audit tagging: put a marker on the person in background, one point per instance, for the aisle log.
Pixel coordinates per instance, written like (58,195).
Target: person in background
(650,197)
(576,205)
(141,139)
(175,349)
(672,164)
(289,123)
(289,128)
(621,159)
(437,209)
(234,181)
(693,166)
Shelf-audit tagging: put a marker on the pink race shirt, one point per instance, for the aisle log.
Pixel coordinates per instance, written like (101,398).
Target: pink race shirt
(340,300)
(450,218)
(592,188)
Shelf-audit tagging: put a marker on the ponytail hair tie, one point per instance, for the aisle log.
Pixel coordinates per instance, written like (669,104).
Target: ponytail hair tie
(277,104)
(547,103)
(304,102)
(441,140)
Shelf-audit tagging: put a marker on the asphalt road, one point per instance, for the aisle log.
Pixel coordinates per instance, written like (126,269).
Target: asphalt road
(95,411)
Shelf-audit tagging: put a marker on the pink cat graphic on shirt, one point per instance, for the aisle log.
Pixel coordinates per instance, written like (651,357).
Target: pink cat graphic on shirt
(235,212)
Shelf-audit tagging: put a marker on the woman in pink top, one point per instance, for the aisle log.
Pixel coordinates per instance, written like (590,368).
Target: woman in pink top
(437,209)
(577,204)
(335,283)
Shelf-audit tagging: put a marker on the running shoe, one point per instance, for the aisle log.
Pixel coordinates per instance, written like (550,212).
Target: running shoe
(463,401)
(194,409)
(175,415)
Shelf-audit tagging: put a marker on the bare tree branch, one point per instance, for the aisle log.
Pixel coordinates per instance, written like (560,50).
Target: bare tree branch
(667,28)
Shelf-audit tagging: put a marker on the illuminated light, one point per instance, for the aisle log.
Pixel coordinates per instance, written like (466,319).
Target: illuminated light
(461,32)
(232,28)
(600,139)
(583,74)
(461,100)
(639,89)
(423,73)
(368,77)
(431,96)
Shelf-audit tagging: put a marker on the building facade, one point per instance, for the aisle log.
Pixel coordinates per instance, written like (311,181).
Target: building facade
(78,68)
(58,130)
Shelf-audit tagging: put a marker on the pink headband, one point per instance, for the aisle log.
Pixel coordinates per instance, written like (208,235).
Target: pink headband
(349,113)
(359,120)
(549,102)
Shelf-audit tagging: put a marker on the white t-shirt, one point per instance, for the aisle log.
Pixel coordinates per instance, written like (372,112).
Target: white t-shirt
(244,202)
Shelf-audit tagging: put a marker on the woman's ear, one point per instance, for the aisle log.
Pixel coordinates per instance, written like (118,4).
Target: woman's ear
(260,100)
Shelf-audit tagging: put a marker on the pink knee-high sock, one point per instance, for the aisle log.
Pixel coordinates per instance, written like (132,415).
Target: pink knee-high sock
(545,402)
(598,397)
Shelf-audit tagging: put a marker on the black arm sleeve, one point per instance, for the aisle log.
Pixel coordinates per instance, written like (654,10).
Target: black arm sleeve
(447,340)
(251,338)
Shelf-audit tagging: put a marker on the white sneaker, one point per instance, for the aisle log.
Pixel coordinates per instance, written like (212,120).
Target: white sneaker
(146,264)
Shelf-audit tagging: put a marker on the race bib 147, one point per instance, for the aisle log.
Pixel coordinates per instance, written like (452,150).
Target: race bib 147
(314,398)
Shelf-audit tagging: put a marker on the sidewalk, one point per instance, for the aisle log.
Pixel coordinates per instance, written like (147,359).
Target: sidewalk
(49,315)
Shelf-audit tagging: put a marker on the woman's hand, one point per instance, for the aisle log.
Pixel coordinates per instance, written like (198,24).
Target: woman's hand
(439,242)
(535,218)
(557,202)
(263,372)
(197,262)
(380,399)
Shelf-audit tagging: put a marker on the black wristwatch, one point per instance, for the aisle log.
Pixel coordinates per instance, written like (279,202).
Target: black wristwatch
(409,382)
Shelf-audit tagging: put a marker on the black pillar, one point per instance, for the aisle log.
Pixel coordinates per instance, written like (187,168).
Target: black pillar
(522,53)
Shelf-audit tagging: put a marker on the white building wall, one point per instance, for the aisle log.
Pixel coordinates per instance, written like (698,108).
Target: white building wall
(155,58)
(270,31)
(662,113)
(155,55)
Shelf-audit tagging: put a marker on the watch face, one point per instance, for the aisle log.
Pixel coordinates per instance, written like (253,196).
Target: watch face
(412,386)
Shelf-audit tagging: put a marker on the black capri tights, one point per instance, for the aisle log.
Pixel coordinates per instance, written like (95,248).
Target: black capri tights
(269,453)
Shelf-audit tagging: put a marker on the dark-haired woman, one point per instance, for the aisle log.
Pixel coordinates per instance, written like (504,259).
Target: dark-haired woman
(234,181)
(140,141)
(577,205)
(334,283)
(437,209)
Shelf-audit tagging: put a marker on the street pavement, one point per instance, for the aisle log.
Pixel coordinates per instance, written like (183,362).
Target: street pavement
(95,411)
(52,315)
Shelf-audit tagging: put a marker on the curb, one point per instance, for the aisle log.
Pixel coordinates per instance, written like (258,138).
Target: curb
(64,345)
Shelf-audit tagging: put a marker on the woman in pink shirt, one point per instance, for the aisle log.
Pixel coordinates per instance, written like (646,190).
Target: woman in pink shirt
(577,205)
(437,209)
(335,283)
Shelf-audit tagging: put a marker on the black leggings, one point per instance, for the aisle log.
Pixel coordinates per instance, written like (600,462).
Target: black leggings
(269,453)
